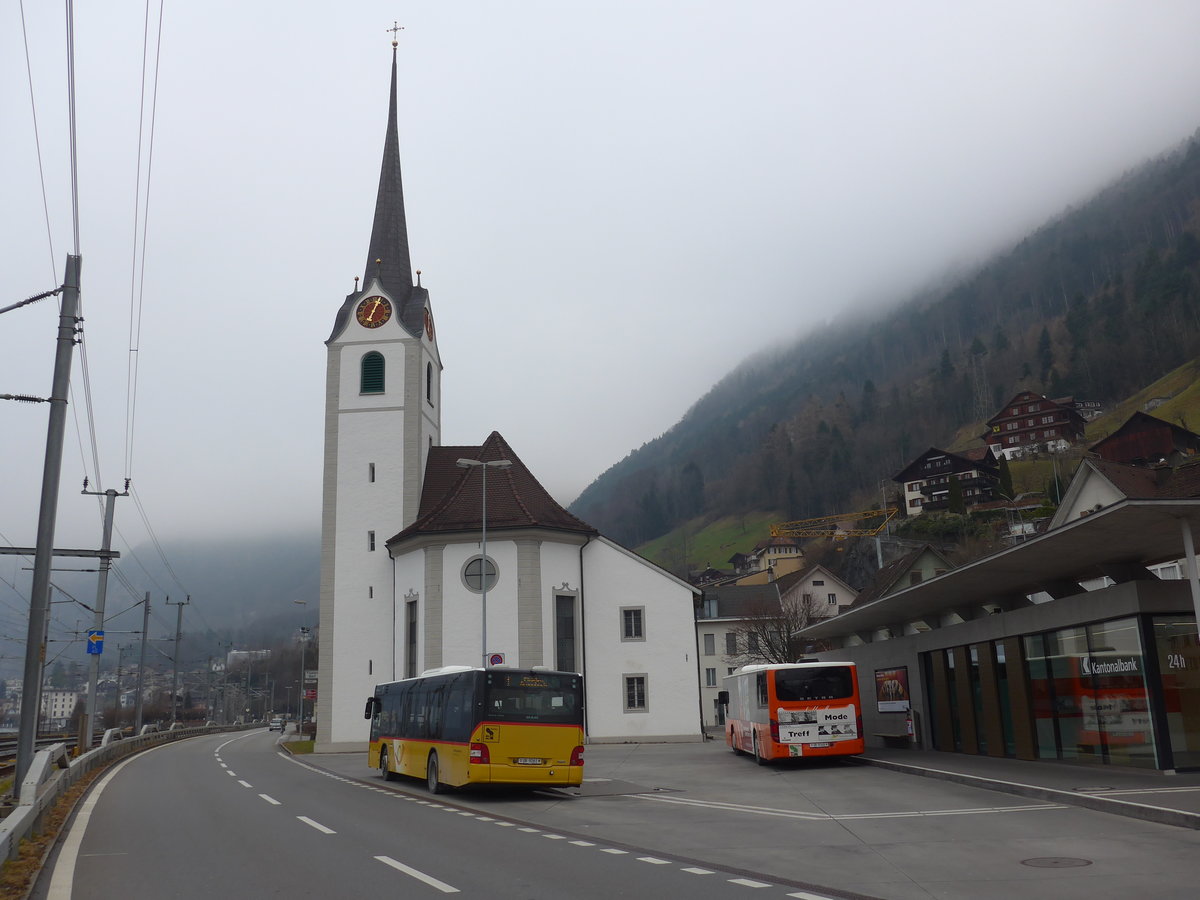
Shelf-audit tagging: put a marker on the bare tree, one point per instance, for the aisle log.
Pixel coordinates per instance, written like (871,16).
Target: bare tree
(768,632)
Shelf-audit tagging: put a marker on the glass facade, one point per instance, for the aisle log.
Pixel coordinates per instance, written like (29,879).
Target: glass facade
(1123,692)
(1178,655)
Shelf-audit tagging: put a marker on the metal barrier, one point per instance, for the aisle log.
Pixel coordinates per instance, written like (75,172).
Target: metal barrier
(53,772)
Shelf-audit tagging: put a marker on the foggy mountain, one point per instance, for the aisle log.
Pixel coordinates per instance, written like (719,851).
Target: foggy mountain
(1096,303)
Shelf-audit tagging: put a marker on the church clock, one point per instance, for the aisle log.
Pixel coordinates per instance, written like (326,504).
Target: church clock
(373,312)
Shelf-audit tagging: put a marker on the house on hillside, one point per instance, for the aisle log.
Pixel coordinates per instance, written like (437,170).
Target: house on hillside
(926,480)
(1145,440)
(770,559)
(1030,422)
(918,565)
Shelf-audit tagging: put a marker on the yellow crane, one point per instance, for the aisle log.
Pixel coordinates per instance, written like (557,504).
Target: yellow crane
(831,526)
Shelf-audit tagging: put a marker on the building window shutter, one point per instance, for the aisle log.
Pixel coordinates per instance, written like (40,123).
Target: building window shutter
(371,381)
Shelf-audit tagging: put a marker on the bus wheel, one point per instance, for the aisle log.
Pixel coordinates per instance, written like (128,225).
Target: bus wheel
(758,757)
(384,772)
(733,742)
(431,775)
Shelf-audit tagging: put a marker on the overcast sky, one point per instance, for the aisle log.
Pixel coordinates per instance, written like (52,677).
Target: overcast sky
(612,204)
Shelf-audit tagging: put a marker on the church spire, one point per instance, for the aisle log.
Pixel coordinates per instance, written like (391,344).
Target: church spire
(388,257)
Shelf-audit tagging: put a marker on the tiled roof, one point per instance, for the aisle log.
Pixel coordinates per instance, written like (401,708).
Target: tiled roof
(739,601)
(452,497)
(885,579)
(1142,483)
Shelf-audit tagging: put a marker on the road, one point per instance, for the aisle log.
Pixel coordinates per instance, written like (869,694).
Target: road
(228,816)
(231,815)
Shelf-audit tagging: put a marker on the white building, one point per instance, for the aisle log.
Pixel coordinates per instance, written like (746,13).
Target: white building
(402,562)
(57,707)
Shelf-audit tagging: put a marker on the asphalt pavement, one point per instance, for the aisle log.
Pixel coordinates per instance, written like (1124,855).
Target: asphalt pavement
(1168,799)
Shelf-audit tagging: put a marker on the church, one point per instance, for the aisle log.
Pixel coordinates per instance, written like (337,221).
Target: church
(437,555)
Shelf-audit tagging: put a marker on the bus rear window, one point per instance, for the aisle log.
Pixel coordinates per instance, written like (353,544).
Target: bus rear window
(816,683)
(537,697)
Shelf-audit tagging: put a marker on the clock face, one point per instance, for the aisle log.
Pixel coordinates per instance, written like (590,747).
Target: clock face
(373,312)
(429,324)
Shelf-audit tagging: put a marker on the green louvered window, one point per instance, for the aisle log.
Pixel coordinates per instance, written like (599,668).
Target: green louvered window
(371,381)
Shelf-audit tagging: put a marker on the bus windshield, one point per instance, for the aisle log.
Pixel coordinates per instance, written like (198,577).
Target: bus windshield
(815,683)
(534,697)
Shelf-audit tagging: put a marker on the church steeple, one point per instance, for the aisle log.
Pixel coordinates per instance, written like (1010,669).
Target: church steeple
(389,233)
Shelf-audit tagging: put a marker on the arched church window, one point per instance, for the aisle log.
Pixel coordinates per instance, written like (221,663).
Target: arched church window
(371,380)
(429,382)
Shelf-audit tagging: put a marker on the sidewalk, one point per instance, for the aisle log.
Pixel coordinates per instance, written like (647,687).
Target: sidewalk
(1140,794)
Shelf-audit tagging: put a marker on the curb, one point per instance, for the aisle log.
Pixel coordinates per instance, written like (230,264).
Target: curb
(1158,814)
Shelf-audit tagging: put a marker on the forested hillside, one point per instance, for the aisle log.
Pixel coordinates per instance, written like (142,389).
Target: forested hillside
(1097,303)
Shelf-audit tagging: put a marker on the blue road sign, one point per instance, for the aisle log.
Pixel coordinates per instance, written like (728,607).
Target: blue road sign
(95,643)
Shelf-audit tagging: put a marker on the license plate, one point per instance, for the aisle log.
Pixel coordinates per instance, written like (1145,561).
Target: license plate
(528,761)
(822,744)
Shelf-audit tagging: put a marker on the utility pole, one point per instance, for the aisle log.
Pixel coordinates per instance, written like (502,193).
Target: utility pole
(96,647)
(39,596)
(178,634)
(137,703)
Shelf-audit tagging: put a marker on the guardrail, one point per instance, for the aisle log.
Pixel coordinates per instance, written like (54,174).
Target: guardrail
(53,771)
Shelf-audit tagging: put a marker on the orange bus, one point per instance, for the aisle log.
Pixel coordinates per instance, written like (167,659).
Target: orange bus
(460,725)
(808,708)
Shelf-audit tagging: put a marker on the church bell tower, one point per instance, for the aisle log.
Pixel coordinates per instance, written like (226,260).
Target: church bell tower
(382,415)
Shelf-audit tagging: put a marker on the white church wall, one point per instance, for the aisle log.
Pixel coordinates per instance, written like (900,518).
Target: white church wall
(615,578)
(462,620)
(357,648)
(560,575)
(410,581)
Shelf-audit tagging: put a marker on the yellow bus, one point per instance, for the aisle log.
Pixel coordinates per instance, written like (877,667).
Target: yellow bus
(459,725)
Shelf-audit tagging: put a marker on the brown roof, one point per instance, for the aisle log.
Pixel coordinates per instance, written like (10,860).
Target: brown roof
(885,579)
(1142,483)
(452,497)
(740,601)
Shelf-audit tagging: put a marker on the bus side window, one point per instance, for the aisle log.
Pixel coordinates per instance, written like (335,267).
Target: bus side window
(760,681)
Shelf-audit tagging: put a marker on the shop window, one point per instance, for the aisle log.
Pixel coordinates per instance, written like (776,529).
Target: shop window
(1178,650)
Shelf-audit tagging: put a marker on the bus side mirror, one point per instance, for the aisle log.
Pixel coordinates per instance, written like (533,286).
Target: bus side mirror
(723,697)
(373,706)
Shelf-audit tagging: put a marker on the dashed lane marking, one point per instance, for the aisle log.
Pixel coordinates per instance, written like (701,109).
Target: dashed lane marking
(317,825)
(420,876)
(270,799)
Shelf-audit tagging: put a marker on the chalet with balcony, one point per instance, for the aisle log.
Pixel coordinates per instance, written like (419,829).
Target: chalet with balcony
(1030,422)
(926,480)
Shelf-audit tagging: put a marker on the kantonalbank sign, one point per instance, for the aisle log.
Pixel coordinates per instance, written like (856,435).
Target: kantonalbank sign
(1090,665)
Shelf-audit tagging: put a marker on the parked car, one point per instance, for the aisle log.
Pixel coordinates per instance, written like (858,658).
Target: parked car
(277,724)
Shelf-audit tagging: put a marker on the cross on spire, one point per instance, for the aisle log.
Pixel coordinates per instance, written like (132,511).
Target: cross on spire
(395,29)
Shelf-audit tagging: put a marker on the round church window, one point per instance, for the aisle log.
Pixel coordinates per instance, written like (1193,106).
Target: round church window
(476,570)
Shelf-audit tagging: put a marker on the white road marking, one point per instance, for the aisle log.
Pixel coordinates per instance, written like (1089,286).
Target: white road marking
(614,850)
(231,773)
(270,800)
(554,837)
(64,868)
(746,882)
(805,895)
(317,825)
(530,830)
(583,843)
(420,876)
(826,817)
(694,871)
(244,783)
(654,860)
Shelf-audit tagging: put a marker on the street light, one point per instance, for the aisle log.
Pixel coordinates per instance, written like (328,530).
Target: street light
(483,566)
(300,690)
